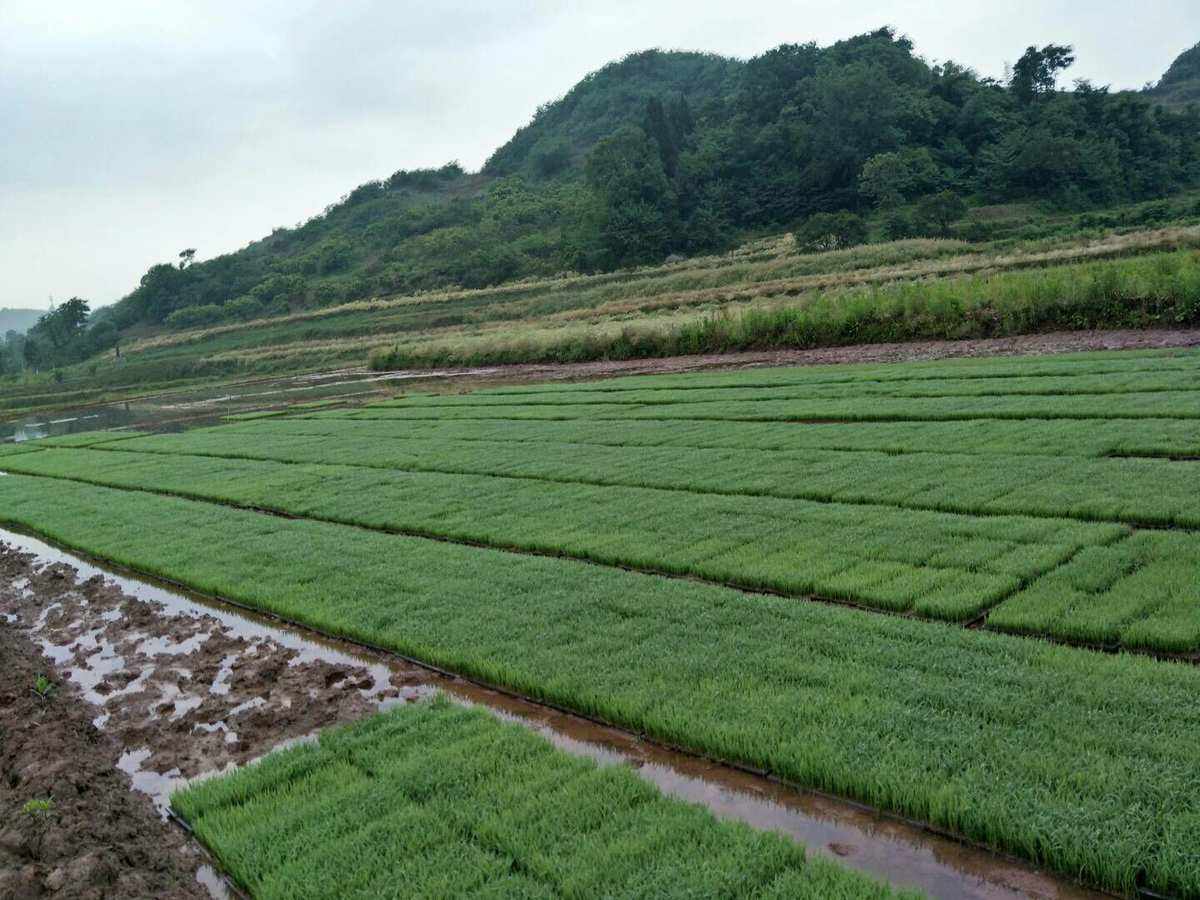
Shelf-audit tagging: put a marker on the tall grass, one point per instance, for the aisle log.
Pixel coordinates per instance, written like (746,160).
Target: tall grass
(1157,290)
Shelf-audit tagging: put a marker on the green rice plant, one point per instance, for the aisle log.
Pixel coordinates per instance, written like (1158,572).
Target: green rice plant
(1079,761)
(433,798)
(868,554)
(1143,591)
(1132,491)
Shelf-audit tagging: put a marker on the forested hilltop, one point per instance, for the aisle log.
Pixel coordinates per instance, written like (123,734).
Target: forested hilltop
(666,153)
(1181,83)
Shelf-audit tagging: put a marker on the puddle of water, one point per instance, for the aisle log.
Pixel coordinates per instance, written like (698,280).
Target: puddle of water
(902,853)
(159,785)
(212,881)
(206,406)
(163,646)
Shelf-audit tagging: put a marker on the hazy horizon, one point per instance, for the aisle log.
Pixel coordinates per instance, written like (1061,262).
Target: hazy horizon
(137,129)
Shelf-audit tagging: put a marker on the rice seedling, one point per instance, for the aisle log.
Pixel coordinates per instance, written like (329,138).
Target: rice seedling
(1080,761)
(438,799)
(940,565)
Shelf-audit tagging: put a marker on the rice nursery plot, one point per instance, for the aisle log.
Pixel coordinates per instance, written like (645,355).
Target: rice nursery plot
(521,535)
(1081,761)
(1131,491)
(934,564)
(1122,383)
(1133,405)
(447,801)
(1167,438)
(1140,592)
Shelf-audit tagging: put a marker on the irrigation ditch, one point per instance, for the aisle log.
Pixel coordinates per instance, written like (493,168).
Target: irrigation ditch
(189,685)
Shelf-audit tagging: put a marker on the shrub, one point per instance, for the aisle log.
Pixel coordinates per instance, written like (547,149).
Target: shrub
(244,309)
(193,316)
(830,231)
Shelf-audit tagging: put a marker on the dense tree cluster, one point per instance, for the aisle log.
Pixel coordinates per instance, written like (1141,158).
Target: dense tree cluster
(665,153)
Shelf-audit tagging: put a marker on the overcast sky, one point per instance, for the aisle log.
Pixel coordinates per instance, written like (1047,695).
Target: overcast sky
(130,130)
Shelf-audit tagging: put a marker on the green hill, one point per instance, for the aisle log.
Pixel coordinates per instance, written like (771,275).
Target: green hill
(563,131)
(681,153)
(1180,85)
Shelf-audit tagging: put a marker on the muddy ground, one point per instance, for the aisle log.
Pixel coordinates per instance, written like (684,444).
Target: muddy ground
(143,697)
(98,839)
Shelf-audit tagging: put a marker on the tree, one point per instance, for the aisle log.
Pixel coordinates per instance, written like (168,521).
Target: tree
(830,231)
(636,205)
(890,178)
(941,210)
(885,179)
(551,156)
(186,257)
(1036,71)
(63,324)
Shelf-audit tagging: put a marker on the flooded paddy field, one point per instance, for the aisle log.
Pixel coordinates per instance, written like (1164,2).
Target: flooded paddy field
(181,687)
(191,407)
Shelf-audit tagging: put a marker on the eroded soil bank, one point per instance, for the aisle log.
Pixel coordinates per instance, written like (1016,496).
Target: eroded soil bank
(165,687)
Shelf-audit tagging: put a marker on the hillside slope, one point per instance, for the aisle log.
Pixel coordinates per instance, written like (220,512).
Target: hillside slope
(680,153)
(1180,85)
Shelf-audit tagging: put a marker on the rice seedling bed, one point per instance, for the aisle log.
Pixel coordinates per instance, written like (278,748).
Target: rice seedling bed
(1146,382)
(1134,363)
(1143,591)
(1134,405)
(1080,761)
(1148,492)
(446,801)
(1063,437)
(934,565)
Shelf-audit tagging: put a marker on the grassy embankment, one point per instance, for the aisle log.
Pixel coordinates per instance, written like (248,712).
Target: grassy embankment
(680,307)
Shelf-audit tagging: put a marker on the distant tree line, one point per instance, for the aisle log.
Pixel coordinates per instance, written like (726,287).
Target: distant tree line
(665,153)
(62,336)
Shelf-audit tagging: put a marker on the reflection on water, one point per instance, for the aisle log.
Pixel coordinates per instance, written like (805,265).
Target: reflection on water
(180,409)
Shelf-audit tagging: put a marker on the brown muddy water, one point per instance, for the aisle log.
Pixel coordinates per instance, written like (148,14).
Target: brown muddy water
(191,686)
